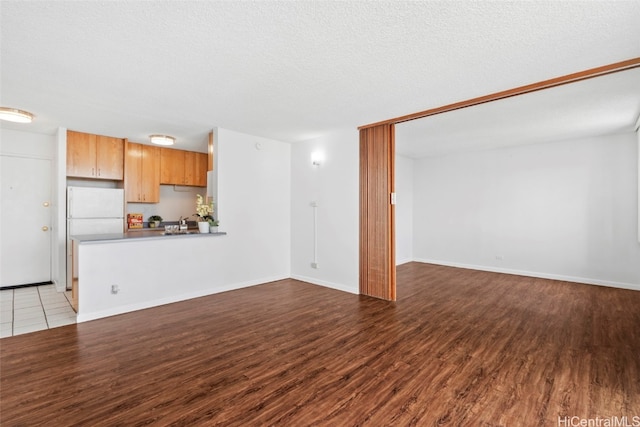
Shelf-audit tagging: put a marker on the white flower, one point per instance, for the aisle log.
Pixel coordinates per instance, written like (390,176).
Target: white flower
(203,209)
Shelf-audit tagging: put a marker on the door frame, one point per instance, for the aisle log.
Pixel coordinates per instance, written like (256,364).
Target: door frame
(377,159)
(50,209)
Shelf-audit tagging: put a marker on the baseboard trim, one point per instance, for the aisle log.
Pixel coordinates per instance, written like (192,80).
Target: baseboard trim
(26,285)
(325,284)
(573,279)
(85,317)
(60,287)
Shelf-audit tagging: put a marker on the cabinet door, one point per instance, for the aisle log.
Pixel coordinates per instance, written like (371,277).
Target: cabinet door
(133,172)
(150,174)
(189,168)
(195,169)
(171,166)
(202,165)
(81,154)
(109,157)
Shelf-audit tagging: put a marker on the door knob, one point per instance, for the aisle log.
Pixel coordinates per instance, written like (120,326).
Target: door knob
(45,228)
(45,204)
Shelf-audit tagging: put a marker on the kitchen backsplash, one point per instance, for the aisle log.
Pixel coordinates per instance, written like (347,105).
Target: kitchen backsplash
(174,202)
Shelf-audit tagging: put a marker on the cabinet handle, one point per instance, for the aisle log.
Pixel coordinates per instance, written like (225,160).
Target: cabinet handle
(93,171)
(98,171)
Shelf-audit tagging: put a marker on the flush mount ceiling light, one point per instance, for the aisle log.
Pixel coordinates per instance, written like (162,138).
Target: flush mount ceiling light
(15,115)
(162,139)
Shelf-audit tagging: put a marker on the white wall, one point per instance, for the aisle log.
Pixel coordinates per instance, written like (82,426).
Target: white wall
(334,186)
(404,209)
(28,144)
(60,250)
(253,206)
(565,210)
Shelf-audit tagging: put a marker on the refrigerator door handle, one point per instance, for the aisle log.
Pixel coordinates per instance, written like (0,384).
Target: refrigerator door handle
(70,203)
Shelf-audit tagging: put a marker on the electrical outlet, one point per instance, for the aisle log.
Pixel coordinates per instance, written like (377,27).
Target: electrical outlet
(115,289)
(500,257)
(314,265)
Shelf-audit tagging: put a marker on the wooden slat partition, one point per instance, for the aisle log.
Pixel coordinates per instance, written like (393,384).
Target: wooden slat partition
(377,214)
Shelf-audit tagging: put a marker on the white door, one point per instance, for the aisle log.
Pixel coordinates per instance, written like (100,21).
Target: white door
(25,221)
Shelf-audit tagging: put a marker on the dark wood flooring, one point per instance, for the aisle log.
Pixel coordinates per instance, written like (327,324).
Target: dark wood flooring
(459,347)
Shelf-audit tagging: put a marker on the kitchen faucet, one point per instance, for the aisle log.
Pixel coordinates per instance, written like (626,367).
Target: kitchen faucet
(183,223)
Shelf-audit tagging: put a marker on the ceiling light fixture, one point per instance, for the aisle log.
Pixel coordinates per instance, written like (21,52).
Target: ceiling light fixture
(15,115)
(162,139)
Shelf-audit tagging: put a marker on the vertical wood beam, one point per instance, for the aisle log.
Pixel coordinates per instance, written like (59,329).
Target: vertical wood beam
(210,152)
(377,214)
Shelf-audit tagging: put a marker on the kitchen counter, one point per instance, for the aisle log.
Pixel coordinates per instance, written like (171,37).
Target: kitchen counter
(144,268)
(142,235)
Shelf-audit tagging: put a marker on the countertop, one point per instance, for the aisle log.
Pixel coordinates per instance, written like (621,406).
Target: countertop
(142,235)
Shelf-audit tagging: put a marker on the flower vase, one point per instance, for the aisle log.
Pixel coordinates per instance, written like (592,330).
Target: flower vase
(213,229)
(203,227)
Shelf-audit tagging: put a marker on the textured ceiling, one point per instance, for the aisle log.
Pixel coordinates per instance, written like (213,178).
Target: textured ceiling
(286,70)
(603,105)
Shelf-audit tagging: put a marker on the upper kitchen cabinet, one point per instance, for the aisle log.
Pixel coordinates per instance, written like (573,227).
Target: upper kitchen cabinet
(180,167)
(171,166)
(94,156)
(195,168)
(142,173)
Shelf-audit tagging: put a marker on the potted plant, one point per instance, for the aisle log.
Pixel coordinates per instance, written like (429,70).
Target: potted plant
(203,212)
(213,223)
(154,221)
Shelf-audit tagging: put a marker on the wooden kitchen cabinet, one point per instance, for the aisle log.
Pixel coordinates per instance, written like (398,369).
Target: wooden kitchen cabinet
(195,168)
(171,166)
(94,156)
(142,173)
(179,167)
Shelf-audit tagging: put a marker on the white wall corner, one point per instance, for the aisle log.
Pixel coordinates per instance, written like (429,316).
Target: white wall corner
(327,234)
(59,238)
(326,284)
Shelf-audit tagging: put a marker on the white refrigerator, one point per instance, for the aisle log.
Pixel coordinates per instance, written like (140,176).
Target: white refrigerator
(92,211)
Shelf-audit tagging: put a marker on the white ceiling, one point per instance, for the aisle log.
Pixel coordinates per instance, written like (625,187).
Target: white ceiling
(290,70)
(599,106)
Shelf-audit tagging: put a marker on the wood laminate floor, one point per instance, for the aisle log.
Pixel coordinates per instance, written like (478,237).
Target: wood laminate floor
(459,347)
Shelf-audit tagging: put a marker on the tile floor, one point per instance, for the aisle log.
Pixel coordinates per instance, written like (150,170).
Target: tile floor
(34,308)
